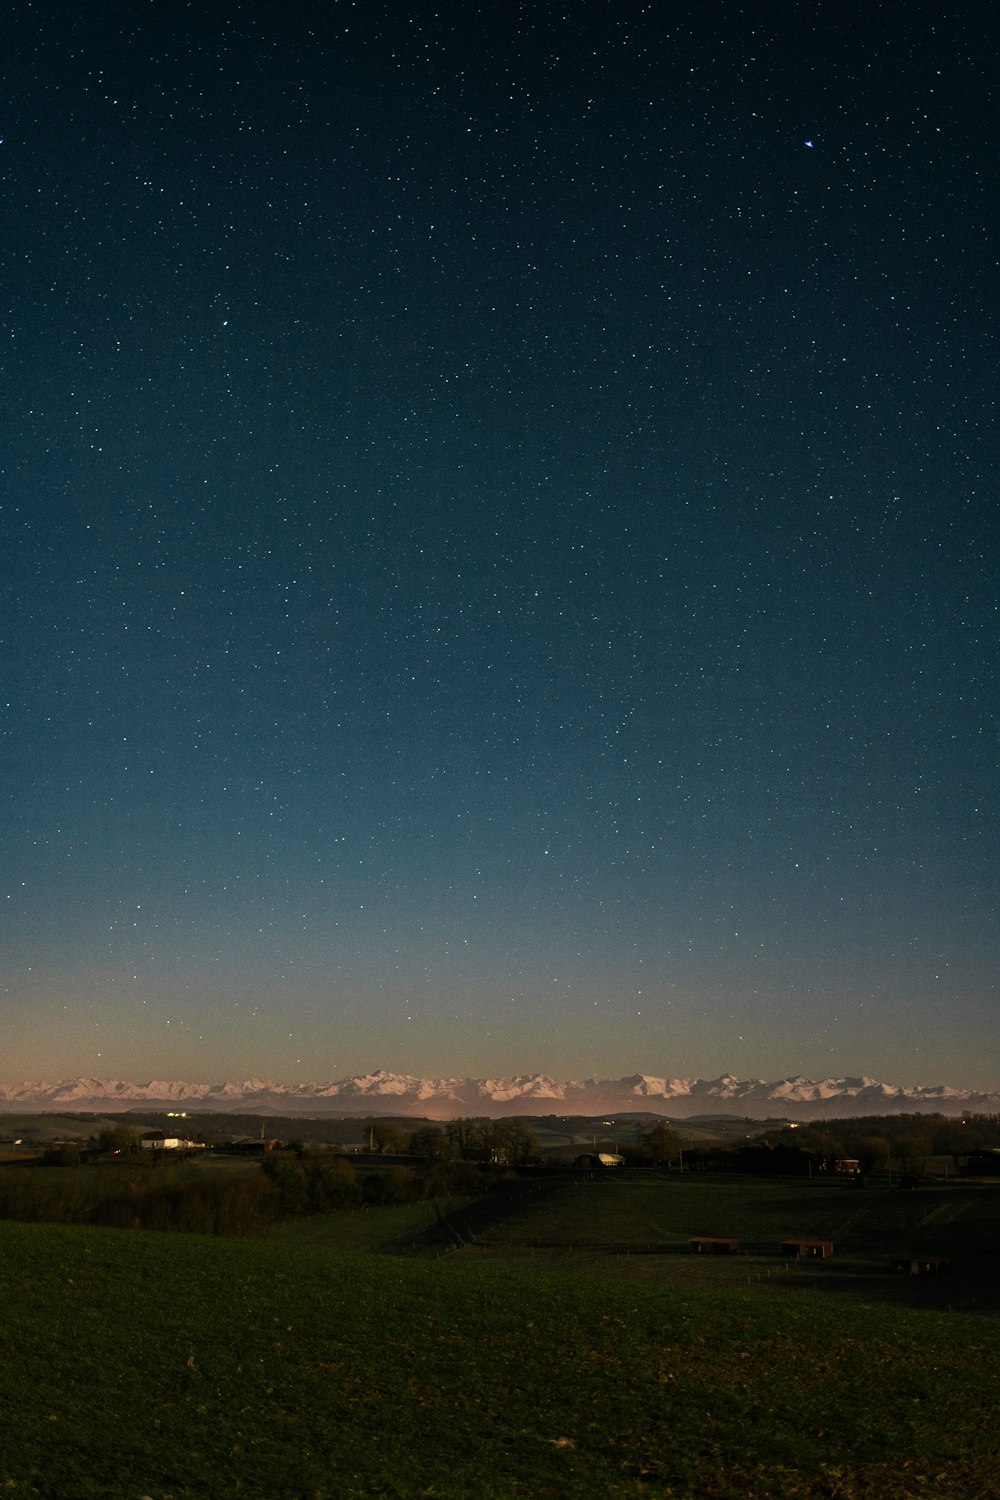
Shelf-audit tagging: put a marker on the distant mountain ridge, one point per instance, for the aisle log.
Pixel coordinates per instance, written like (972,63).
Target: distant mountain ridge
(525,1094)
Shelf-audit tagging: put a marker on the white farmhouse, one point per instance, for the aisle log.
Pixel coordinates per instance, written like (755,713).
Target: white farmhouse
(158,1140)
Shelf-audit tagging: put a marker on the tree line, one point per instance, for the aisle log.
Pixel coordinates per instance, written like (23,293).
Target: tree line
(287,1185)
(901,1143)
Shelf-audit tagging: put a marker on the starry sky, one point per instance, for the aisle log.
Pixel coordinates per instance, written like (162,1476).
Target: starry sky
(499,544)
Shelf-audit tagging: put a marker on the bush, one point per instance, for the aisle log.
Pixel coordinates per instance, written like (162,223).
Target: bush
(138,1199)
(312,1185)
(69,1155)
(398,1185)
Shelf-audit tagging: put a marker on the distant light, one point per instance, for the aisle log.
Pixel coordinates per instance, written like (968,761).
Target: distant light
(809,144)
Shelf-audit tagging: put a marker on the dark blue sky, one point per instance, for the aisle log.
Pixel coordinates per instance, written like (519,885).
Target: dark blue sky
(499,540)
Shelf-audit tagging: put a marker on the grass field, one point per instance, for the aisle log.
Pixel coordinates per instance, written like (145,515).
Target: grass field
(137,1365)
(667,1209)
(637,1227)
(395,1230)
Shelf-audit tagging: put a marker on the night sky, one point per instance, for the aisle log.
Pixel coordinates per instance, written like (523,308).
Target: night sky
(499,553)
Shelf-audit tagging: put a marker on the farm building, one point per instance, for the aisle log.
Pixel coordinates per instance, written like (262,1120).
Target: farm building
(252,1145)
(158,1140)
(918,1265)
(600,1159)
(984,1163)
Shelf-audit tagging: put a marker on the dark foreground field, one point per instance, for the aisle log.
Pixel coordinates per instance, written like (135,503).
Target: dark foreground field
(138,1366)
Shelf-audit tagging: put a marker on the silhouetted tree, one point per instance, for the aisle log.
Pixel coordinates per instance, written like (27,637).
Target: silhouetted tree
(913,1149)
(430,1141)
(873,1152)
(662,1145)
(398,1185)
(515,1143)
(120,1138)
(465,1137)
(387,1137)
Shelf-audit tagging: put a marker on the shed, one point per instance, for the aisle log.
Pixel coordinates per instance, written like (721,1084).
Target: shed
(714,1244)
(918,1265)
(806,1249)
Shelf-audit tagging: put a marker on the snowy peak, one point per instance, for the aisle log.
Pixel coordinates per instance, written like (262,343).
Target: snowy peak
(534,1093)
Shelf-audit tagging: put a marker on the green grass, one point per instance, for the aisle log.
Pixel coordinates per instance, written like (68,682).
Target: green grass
(54,1127)
(139,1365)
(637,1227)
(391,1229)
(665,1209)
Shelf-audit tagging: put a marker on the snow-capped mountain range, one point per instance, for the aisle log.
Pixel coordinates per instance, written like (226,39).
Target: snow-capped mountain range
(527,1094)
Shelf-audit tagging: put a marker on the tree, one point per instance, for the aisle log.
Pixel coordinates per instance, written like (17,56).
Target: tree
(314,1185)
(387,1137)
(956,1138)
(662,1144)
(429,1141)
(119,1138)
(519,1142)
(873,1153)
(913,1149)
(465,1137)
(827,1147)
(65,1155)
(398,1185)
